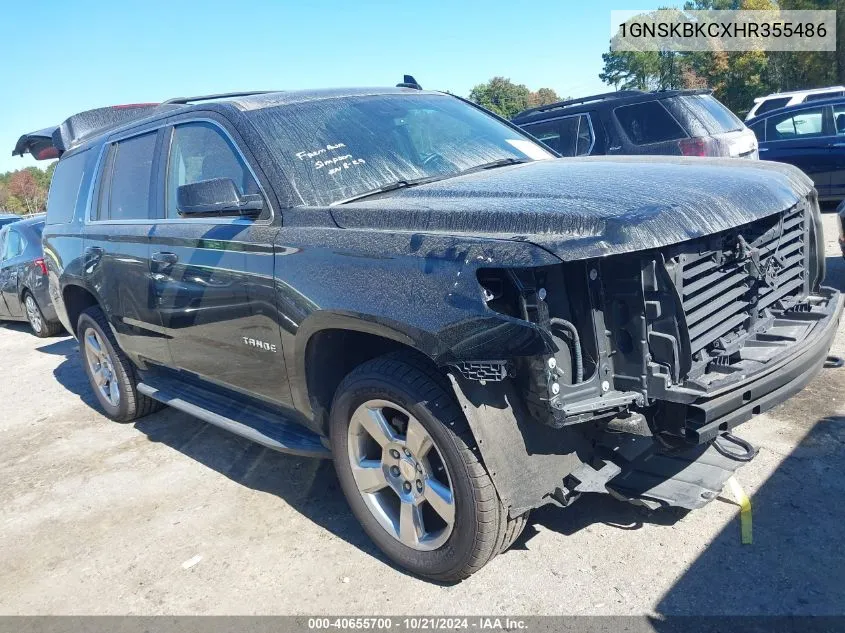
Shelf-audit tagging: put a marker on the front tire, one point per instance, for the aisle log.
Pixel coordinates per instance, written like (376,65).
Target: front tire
(409,467)
(110,373)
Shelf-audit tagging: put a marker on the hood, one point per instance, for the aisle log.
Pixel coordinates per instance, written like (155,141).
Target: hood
(589,207)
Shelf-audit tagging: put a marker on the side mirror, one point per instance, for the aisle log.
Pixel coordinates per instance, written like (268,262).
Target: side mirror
(216,197)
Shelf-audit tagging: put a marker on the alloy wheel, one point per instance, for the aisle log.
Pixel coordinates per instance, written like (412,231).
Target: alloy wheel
(102,367)
(401,475)
(33,314)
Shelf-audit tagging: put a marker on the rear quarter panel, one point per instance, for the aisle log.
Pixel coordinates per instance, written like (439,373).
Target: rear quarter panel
(63,242)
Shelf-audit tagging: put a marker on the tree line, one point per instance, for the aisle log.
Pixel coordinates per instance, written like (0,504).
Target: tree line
(736,78)
(24,191)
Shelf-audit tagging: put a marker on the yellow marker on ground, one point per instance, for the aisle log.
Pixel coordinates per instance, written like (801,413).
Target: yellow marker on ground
(745,510)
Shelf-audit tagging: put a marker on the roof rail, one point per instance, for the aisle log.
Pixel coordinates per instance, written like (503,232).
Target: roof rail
(568,102)
(220,95)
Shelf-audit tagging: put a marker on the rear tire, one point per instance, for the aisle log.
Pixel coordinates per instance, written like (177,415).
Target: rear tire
(110,373)
(41,327)
(405,391)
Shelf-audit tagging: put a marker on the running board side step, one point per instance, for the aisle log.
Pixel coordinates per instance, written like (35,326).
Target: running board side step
(260,425)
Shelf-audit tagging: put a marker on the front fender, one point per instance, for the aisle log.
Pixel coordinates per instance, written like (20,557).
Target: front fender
(420,291)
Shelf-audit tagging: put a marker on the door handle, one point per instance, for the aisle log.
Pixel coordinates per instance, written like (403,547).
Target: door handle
(162,262)
(763,149)
(837,145)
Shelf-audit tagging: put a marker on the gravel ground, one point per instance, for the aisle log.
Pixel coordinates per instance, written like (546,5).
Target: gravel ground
(171,516)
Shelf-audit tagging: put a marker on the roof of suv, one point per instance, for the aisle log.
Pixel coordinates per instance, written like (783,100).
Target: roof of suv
(793,93)
(794,108)
(607,99)
(85,126)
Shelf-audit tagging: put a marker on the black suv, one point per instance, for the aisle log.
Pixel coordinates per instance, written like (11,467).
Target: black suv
(469,326)
(672,122)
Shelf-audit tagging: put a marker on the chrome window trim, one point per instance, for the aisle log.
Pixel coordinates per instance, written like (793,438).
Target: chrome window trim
(96,176)
(796,112)
(216,124)
(96,180)
(167,123)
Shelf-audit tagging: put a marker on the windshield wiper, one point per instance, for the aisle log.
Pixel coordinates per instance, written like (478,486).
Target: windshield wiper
(502,162)
(404,184)
(393,186)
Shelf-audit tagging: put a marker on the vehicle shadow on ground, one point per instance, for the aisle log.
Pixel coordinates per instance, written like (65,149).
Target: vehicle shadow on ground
(17,326)
(307,485)
(70,373)
(596,508)
(795,565)
(835,272)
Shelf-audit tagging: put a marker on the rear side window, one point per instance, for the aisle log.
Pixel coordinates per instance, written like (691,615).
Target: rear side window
(824,95)
(64,189)
(125,194)
(649,122)
(569,136)
(802,124)
(15,244)
(772,104)
(713,116)
(199,151)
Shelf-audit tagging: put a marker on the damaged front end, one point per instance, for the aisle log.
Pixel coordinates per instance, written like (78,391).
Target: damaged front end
(661,352)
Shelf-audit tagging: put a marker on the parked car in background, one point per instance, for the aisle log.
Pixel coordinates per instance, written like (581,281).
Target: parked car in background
(8,218)
(24,288)
(810,136)
(777,100)
(672,122)
(469,326)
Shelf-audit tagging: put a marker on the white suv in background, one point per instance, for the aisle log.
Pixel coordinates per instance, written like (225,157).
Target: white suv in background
(783,99)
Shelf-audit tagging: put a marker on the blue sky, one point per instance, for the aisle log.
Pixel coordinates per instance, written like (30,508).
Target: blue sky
(61,61)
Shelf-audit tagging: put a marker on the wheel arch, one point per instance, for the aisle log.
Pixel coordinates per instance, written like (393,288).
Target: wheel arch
(326,352)
(76,299)
(22,292)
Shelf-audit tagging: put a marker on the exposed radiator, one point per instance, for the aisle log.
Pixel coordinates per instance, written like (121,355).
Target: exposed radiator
(725,291)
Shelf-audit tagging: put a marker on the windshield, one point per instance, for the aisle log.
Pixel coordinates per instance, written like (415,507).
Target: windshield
(337,149)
